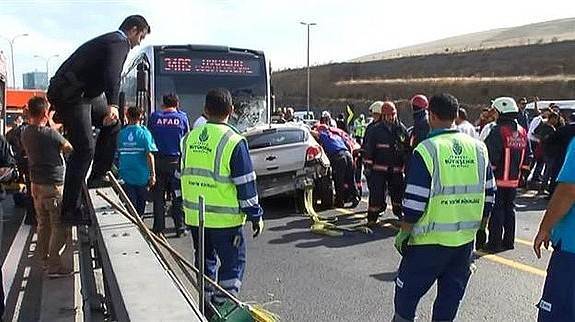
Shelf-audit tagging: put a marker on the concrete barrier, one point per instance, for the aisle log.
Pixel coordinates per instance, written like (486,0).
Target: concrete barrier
(137,284)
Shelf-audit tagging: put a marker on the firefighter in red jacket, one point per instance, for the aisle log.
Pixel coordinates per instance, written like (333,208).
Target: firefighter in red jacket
(386,153)
(508,154)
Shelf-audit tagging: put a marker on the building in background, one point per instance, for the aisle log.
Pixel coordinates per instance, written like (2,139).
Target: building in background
(35,80)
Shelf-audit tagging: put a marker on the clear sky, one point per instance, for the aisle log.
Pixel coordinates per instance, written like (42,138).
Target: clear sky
(346,28)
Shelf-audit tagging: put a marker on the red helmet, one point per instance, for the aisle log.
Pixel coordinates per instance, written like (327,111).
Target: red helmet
(419,101)
(388,108)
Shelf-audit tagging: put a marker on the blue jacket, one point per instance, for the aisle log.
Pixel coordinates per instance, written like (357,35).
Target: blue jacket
(421,127)
(332,143)
(168,128)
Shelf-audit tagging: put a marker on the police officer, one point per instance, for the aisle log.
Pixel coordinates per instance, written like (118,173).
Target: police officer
(557,227)
(168,127)
(216,164)
(386,154)
(508,154)
(339,152)
(448,197)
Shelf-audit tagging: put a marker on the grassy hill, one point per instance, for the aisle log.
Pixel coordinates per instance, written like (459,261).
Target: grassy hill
(537,33)
(546,70)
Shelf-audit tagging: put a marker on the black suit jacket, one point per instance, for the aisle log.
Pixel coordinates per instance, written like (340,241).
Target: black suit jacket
(97,66)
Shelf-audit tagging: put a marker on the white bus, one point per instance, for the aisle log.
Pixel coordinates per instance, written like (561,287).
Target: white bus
(191,71)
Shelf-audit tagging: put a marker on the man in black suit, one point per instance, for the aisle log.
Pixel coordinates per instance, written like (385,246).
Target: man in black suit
(84,93)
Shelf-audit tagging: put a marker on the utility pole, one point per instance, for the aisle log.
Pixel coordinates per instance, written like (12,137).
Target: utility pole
(11,42)
(47,61)
(308,24)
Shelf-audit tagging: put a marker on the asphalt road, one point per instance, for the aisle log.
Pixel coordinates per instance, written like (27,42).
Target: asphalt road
(303,276)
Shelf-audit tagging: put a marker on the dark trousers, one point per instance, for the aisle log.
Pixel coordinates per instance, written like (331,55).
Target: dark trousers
(228,245)
(558,301)
(554,173)
(358,167)
(1,294)
(537,164)
(420,267)
(138,196)
(381,183)
(343,177)
(548,172)
(166,182)
(502,220)
(78,120)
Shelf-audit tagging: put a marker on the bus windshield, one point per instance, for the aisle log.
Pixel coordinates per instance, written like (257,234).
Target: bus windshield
(192,74)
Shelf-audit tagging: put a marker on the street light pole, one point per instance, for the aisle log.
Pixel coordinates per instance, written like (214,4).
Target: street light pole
(11,42)
(47,60)
(308,24)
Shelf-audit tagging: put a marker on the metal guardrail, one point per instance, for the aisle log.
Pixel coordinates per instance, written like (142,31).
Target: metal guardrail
(138,286)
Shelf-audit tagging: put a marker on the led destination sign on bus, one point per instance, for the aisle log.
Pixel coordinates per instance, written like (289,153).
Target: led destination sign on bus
(208,65)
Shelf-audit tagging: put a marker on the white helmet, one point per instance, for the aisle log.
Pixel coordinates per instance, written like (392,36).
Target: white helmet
(505,105)
(375,107)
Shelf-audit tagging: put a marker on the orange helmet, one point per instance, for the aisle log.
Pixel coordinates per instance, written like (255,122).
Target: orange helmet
(388,108)
(419,101)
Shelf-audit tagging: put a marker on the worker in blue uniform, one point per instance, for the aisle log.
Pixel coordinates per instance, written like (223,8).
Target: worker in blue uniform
(449,195)
(216,164)
(558,227)
(168,127)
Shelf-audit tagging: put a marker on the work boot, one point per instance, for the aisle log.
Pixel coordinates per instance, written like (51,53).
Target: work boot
(99,182)
(372,219)
(492,248)
(508,244)
(181,232)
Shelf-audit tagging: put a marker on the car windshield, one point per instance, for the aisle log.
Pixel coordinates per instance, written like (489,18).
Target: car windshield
(275,137)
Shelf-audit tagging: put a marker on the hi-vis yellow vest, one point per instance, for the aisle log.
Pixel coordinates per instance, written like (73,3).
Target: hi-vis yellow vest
(458,165)
(206,154)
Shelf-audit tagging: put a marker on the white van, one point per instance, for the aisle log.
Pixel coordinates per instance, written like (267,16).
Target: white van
(304,115)
(563,104)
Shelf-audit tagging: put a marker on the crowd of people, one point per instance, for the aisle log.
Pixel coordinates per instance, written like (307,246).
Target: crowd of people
(452,183)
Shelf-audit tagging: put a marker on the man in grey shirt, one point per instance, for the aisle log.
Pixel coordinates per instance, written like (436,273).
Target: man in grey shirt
(44,147)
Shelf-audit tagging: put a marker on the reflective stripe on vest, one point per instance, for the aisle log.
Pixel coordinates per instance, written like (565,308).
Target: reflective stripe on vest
(440,189)
(457,194)
(210,208)
(462,225)
(207,152)
(206,173)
